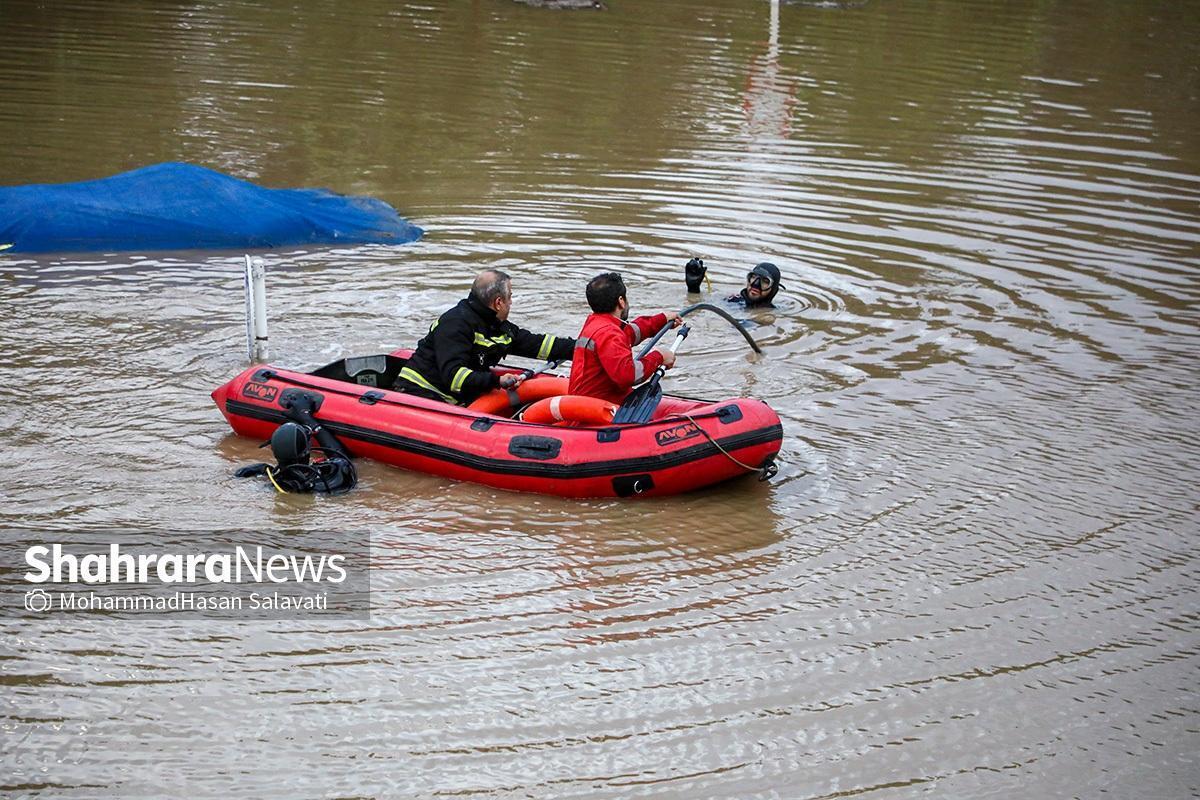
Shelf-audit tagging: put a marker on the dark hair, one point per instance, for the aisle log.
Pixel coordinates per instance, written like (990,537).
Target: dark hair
(490,284)
(603,292)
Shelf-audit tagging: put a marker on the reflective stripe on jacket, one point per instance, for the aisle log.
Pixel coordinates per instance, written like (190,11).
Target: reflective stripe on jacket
(453,361)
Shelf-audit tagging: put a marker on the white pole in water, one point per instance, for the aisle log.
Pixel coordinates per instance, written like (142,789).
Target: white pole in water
(249,287)
(256,310)
(773,32)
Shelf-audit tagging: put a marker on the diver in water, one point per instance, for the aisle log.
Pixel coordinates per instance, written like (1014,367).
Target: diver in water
(762,284)
(296,472)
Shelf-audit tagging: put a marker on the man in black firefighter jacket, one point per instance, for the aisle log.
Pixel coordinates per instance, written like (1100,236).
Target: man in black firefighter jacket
(453,361)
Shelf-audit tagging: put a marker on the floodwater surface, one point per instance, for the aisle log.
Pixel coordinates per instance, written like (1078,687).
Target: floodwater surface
(974,575)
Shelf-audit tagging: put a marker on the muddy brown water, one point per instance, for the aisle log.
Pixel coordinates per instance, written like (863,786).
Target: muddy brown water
(974,575)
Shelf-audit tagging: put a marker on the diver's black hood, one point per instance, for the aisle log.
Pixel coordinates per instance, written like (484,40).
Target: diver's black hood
(290,445)
(767,270)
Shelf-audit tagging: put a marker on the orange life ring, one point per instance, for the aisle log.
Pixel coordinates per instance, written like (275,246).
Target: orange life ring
(505,401)
(570,408)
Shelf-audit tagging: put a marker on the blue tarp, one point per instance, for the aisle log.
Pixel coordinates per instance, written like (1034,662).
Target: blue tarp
(183,207)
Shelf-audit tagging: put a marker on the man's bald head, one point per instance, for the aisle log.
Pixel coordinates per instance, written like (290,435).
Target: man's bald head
(490,285)
(493,289)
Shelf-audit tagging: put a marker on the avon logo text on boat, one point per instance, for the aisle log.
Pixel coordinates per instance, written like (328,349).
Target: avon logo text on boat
(260,391)
(677,434)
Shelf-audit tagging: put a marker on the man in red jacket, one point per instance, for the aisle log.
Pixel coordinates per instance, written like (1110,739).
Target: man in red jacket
(603,365)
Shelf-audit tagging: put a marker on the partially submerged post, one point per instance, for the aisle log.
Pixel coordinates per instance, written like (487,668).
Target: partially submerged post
(256,310)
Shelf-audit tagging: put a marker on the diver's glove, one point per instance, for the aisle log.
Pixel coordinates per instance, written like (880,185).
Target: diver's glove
(693,274)
(300,409)
(298,404)
(251,471)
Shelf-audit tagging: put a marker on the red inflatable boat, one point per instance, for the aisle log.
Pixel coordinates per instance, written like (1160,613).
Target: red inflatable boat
(688,444)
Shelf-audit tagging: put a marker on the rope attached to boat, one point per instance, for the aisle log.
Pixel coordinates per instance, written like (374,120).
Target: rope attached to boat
(765,472)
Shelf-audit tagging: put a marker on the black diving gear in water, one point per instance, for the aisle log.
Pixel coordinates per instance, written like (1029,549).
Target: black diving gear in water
(693,273)
(290,444)
(296,472)
(766,275)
